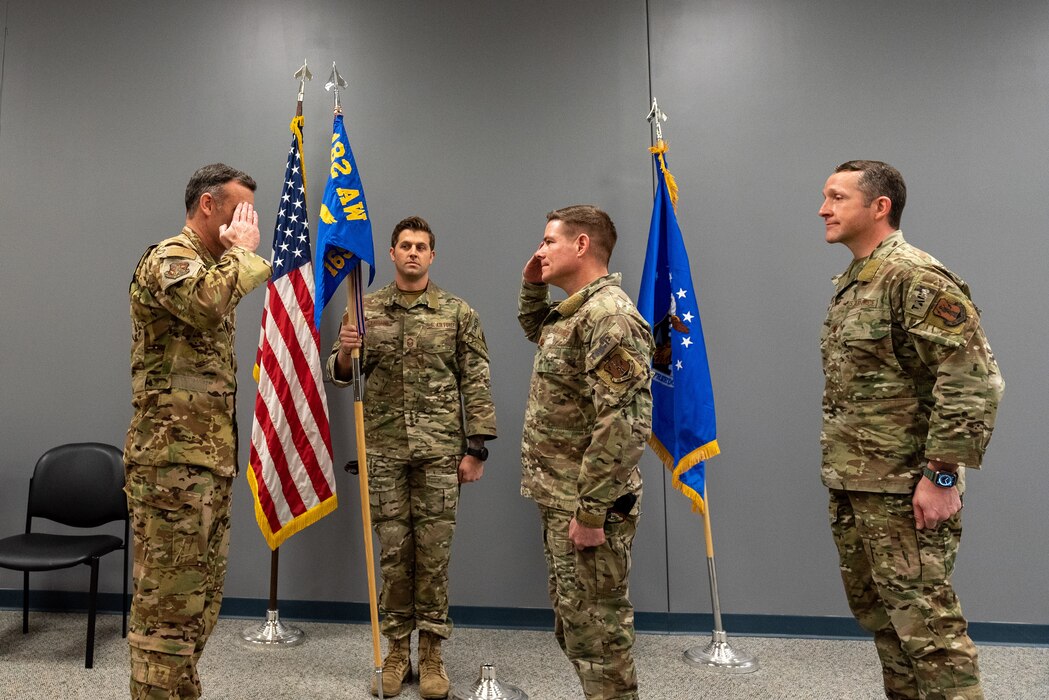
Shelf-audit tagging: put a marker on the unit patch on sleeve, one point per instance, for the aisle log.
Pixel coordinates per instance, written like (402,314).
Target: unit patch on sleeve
(174,269)
(948,313)
(619,368)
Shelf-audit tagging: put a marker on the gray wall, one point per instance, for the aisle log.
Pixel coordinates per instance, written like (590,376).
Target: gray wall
(481,117)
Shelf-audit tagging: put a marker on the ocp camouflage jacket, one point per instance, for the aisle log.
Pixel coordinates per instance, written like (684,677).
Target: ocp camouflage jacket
(183,360)
(909,373)
(589,409)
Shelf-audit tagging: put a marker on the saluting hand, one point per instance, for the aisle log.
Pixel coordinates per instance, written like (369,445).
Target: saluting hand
(533,270)
(243,230)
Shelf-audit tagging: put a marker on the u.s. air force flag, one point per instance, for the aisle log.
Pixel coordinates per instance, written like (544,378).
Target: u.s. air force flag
(345,234)
(684,430)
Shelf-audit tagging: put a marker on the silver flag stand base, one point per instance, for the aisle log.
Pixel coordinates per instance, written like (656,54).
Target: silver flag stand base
(488,688)
(273,632)
(719,656)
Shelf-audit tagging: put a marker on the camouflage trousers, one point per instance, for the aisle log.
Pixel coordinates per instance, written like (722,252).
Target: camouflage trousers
(413,511)
(898,583)
(593,616)
(180,519)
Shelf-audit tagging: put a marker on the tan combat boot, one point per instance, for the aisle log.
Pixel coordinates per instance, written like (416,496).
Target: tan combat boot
(433,680)
(396,667)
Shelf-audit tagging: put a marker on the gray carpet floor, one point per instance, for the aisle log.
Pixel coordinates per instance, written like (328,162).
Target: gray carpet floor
(335,661)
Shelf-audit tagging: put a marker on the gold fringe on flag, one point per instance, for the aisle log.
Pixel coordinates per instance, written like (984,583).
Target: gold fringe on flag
(700,454)
(660,148)
(297,524)
(296,128)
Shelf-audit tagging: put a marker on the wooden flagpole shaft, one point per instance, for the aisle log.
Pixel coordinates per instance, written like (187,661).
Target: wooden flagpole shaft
(362,462)
(706,521)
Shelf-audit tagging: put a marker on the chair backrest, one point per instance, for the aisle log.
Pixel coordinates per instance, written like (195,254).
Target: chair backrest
(80,485)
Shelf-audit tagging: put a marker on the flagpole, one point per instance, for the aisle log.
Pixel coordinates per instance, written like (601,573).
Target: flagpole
(352,290)
(718,655)
(353,302)
(272,631)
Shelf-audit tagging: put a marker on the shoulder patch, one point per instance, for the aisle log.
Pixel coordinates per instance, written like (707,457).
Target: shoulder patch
(619,368)
(174,269)
(948,313)
(920,300)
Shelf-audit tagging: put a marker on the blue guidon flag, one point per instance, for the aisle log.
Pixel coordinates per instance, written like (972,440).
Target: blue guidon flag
(684,429)
(344,237)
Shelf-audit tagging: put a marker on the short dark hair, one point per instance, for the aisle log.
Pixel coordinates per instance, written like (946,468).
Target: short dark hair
(586,218)
(412,223)
(879,180)
(210,179)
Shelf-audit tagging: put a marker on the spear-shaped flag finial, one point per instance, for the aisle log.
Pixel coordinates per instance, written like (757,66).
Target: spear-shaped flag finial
(303,74)
(335,82)
(655,116)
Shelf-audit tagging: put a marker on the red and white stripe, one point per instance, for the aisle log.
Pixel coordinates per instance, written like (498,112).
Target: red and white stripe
(291,457)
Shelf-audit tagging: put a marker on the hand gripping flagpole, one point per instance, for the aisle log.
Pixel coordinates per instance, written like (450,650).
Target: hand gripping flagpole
(354,305)
(273,632)
(718,655)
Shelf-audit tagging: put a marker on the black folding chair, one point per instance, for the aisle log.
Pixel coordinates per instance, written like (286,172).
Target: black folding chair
(79,485)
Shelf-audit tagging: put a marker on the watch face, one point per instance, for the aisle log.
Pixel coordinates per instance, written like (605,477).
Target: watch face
(945,479)
(481,454)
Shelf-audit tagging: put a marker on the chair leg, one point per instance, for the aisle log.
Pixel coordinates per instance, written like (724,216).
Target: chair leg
(124,602)
(25,602)
(89,661)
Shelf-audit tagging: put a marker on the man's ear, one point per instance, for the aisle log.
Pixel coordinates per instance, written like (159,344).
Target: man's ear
(206,203)
(582,244)
(882,207)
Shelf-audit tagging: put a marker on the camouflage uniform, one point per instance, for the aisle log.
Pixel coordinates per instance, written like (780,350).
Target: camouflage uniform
(909,378)
(428,389)
(589,414)
(181,452)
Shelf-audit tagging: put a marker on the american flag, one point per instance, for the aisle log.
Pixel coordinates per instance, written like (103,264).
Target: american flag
(290,469)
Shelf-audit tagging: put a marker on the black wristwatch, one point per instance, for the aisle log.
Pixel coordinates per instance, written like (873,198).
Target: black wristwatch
(944,480)
(480,453)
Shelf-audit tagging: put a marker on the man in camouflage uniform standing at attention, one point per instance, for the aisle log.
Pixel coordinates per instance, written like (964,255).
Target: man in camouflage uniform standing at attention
(911,394)
(181,449)
(427,413)
(588,417)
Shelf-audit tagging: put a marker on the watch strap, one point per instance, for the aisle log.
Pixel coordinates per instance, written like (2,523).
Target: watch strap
(933,476)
